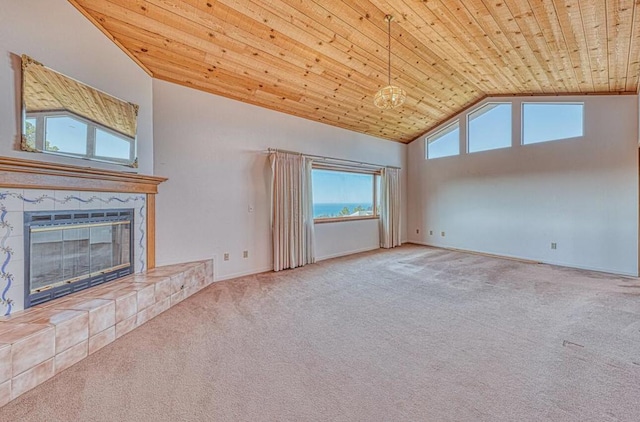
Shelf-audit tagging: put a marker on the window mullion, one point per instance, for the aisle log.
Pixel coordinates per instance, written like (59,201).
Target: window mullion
(91,141)
(40,131)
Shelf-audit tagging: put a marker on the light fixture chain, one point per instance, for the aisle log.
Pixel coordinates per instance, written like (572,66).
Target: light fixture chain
(389,96)
(389,45)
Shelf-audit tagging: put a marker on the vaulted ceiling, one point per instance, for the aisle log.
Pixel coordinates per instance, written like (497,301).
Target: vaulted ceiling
(324,60)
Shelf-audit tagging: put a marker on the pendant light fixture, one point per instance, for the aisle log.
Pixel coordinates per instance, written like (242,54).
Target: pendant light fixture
(390,96)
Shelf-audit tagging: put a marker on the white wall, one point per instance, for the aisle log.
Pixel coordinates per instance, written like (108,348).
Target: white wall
(212,150)
(54,33)
(580,193)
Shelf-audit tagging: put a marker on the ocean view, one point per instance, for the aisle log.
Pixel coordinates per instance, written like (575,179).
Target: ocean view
(338,209)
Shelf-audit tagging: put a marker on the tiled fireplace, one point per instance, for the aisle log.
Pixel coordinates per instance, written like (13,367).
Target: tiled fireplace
(16,203)
(56,332)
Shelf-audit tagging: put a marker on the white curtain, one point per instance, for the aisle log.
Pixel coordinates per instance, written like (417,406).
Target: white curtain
(390,208)
(291,211)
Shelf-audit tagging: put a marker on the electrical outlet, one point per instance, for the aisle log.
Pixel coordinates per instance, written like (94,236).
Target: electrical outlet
(245,254)
(554,245)
(442,234)
(430,232)
(226,256)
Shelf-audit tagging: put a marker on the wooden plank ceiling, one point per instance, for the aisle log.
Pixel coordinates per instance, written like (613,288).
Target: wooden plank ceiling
(325,59)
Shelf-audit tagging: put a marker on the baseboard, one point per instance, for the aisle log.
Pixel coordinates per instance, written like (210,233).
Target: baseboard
(470,251)
(242,274)
(529,260)
(589,268)
(338,255)
(268,269)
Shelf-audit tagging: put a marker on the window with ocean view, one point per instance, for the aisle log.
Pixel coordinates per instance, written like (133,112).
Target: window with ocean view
(343,195)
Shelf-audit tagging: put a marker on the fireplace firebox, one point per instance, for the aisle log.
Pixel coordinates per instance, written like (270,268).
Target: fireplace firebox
(69,251)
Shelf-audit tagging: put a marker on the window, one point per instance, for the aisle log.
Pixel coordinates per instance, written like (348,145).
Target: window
(30,130)
(489,127)
(542,122)
(65,133)
(110,145)
(445,142)
(344,194)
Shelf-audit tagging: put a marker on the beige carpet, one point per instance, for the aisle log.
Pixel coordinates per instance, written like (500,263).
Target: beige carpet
(412,334)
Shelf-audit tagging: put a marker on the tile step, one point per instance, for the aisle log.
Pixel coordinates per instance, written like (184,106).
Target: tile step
(39,342)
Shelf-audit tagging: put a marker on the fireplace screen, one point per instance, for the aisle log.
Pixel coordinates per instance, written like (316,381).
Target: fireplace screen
(70,251)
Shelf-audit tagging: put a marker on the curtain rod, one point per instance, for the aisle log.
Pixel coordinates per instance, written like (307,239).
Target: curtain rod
(322,157)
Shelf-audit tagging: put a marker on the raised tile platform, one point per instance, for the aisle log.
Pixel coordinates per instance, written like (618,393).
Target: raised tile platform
(42,341)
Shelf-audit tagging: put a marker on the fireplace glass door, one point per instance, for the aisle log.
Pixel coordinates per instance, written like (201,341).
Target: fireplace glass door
(92,249)
(66,254)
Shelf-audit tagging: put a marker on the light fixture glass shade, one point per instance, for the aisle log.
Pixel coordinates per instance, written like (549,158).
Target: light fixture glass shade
(389,97)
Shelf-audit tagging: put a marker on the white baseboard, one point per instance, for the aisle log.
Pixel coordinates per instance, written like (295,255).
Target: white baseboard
(345,253)
(267,269)
(529,260)
(242,274)
(589,268)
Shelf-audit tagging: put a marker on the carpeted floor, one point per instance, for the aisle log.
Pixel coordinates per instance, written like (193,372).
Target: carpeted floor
(411,334)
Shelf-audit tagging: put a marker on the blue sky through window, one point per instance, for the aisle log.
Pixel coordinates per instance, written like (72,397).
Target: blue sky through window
(70,135)
(337,187)
(109,145)
(75,135)
(444,143)
(490,127)
(340,194)
(543,122)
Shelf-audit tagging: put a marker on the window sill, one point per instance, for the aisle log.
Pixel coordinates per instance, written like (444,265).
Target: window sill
(342,219)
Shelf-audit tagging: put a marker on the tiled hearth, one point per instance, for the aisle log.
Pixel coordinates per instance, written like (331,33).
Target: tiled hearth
(42,341)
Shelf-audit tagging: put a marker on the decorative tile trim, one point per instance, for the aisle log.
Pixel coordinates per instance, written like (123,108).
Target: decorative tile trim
(142,238)
(8,252)
(8,277)
(69,198)
(94,198)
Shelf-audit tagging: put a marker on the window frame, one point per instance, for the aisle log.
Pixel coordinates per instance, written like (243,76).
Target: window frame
(438,133)
(376,173)
(580,103)
(92,128)
(468,126)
